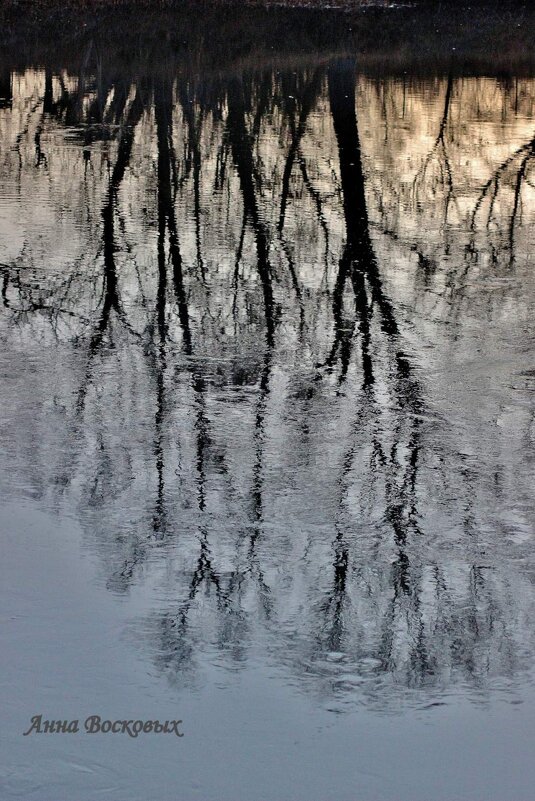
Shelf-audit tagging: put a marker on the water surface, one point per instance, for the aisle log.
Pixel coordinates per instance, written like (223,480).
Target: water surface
(267,422)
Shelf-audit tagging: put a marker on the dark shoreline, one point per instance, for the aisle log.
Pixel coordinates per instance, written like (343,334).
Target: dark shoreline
(425,38)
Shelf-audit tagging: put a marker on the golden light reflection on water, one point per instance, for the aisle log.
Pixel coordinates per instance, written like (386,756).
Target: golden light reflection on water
(439,155)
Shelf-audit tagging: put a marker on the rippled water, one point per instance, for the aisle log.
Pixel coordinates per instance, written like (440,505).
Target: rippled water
(268,428)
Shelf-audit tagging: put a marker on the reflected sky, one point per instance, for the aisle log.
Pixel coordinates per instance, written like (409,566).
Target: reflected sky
(267,344)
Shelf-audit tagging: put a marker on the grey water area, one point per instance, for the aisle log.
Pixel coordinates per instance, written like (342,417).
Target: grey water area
(267,410)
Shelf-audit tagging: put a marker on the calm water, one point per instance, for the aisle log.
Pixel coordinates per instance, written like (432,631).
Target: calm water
(268,425)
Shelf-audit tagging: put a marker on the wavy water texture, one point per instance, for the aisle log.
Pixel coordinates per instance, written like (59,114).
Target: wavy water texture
(267,339)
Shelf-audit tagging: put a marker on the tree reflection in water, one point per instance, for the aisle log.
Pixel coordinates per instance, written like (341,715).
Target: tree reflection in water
(255,345)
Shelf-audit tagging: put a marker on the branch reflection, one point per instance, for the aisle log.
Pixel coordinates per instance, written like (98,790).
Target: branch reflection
(259,325)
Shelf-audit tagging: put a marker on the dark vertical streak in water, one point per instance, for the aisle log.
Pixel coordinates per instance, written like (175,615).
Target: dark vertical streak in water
(359,249)
(359,263)
(111,299)
(166,211)
(310,95)
(187,101)
(243,159)
(162,113)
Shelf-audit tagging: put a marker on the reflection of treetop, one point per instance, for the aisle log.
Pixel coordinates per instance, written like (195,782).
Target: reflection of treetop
(246,270)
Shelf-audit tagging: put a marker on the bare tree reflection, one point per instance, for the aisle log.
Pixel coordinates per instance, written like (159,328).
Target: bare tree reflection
(252,421)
